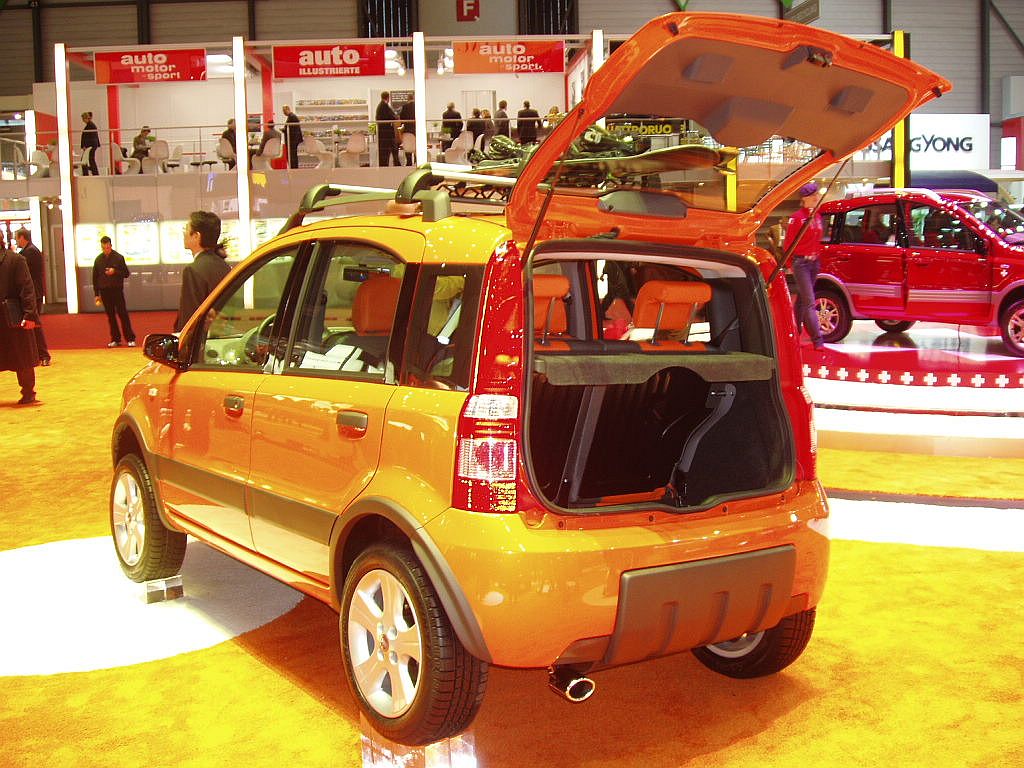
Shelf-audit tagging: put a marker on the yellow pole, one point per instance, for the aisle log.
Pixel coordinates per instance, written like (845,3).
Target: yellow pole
(900,171)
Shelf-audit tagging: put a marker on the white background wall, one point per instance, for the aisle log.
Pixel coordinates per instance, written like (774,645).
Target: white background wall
(497,17)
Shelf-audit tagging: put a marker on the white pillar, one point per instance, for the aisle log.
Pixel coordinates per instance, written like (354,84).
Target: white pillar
(67,207)
(242,155)
(419,80)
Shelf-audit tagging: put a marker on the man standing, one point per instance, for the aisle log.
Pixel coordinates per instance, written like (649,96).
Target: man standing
(108,275)
(36,267)
(18,345)
(806,260)
(408,118)
(451,125)
(229,134)
(387,143)
(90,145)
(293,137)
(501,122)
(526,122)
(208,267)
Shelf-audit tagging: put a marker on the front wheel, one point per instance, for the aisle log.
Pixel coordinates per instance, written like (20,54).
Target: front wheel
(834,318)
(762,653)
(410,674)
(1011,323)
(895,326)
(146,548)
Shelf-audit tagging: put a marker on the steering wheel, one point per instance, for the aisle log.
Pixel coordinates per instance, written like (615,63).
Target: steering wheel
(257,340)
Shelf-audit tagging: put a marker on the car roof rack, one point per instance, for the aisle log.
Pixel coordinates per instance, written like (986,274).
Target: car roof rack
(322,196)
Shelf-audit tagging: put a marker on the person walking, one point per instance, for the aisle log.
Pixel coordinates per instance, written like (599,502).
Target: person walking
(387,140)
(17,342)
(501,121)
(109,272)
(806,260)
(208,266)
(408,117)
(37,268)
(527,121)
(90,145)
(292,137)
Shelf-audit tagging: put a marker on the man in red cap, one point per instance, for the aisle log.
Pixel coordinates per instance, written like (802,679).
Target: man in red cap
(806,260)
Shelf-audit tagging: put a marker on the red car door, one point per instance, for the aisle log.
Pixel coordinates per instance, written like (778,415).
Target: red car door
(949,279)
(866,257)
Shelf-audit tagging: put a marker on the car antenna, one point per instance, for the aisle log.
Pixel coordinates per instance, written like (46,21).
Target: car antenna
(788,254)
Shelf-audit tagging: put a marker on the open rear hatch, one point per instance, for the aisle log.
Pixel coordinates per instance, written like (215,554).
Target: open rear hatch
(700,124)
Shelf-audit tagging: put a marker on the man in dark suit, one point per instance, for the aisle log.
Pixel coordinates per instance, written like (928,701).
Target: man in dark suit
(109,272)
(37,268)
(90,144)
(501,121)
(527,121)
(451,125)
(387,140)
(208,266)
(408,117)
(292,137)
(476,125)
(17,345)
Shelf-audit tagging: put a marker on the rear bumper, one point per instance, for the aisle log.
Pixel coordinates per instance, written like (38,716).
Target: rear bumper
(606,592)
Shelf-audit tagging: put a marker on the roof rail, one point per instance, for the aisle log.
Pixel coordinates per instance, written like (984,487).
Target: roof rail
(322,196)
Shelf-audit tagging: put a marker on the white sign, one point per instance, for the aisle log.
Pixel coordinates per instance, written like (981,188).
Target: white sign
(940,143)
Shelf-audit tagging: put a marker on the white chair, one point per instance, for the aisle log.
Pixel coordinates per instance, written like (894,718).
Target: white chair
(478,145)
(102,155)
(271,151)
(314,148)
(173,161)
(356,146)
(409,144)
(458,152)
(226,152)
(126,165)
(158,153)
(39,164)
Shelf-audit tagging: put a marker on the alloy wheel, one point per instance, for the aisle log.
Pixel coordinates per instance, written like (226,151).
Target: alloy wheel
(1015,327)
(737,647)
(828,314)
(129,519)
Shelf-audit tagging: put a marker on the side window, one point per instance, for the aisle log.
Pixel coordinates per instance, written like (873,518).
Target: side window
(441,333)
(243,320)
(936,228)
(870,225)
(344,324)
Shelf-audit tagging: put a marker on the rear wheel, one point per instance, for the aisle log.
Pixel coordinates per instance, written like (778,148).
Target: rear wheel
(146,548)
(1011,323)
(413,679)
(762,653)
(895,326)
(834,316)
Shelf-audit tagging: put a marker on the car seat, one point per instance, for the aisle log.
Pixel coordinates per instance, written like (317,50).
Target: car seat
(670,306)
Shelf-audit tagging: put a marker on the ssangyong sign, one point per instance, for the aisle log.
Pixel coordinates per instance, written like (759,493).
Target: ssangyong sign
(940,142)
(328,60)
(509,56)
(171,66)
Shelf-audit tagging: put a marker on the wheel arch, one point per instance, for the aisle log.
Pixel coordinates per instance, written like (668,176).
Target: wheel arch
(377,519)
(126,438)
(1009,295)
(831,283)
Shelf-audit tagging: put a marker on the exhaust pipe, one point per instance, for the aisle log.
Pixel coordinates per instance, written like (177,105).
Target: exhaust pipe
(571,685)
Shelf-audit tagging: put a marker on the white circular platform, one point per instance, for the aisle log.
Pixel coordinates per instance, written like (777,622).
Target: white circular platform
(68,607)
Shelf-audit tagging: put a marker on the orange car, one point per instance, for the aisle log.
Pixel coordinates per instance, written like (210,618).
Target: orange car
(421,419)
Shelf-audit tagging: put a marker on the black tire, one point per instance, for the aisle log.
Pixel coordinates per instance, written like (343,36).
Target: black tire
(763,654)
(449,682)
(834,316)
(145,547)
(895,326)
(1011,324)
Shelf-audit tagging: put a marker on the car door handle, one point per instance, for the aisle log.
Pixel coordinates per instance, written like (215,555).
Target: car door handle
(234,405)
(352,423)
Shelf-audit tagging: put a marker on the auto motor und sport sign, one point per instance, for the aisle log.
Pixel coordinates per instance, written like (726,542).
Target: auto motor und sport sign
(509,56)
(170,66)
(328,60)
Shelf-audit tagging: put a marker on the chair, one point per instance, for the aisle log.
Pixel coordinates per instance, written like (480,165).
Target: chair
(125,165)
(666,305)
(315,148)
(271,151)
(409,143)
(173,162)
(373,315)
(39,164)
(103,163)
(478,145)
(458,152)
(210,160)
(226,153)
(153,163)
(351,155)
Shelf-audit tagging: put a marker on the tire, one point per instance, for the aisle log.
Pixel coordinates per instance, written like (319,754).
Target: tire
(1011,324)
(394,630)
(764,653)
(145,547)
(895,326)
(834,316)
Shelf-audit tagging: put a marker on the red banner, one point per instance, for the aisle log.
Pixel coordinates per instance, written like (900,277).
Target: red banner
(515,56)
(150,66)
(328,60)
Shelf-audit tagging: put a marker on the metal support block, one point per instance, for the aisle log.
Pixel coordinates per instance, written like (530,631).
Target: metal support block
(159,590)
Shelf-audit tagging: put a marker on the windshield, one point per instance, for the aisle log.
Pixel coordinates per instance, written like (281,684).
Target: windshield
(1005,221)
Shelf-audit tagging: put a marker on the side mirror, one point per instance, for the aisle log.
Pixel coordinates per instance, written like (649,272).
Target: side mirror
(162,348)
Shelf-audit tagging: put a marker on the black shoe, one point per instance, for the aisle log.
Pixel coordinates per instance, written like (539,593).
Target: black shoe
(45,362)
(27,400)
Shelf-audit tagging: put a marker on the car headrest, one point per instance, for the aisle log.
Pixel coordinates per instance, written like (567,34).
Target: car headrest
(679,299)
(373,310)
(549,292)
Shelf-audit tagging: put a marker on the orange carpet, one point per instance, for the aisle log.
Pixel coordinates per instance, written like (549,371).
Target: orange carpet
(915,659)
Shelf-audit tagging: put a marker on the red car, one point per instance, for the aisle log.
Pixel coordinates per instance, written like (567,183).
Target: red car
(907,255)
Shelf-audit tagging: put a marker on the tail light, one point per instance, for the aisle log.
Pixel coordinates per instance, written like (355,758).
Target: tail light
(807,444)
(488,465)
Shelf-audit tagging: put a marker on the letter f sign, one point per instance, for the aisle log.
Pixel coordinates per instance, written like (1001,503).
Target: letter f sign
(467,10)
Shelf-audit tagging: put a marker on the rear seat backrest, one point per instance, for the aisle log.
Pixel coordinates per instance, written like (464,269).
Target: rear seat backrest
(373,309)
(666,305)
(549,316)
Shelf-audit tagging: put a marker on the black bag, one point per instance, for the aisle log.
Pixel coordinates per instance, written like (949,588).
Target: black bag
(12,313)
